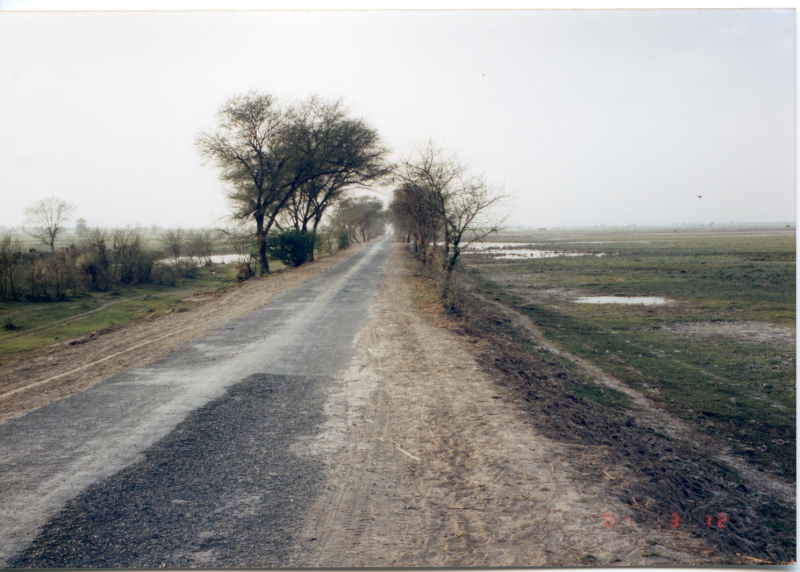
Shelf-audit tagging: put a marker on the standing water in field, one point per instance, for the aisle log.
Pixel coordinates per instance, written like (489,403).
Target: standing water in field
(646,300)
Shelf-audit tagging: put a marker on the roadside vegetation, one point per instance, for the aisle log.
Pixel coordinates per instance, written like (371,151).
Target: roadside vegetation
(721,357)
(288,170)
(26,326)
(440,207)
(287,165)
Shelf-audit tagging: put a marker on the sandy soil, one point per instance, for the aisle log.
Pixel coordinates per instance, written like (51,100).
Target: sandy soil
(437,465)
(29,380)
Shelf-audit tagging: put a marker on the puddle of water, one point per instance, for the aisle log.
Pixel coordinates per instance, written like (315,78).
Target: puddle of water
(530,253)
(215,258)
(646,300)
(609,242)
(499,245)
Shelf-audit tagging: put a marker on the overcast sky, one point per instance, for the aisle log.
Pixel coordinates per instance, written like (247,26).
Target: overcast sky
(586,117)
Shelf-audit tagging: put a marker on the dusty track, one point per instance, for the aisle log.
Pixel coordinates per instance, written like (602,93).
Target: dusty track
(29,380)
(438,466)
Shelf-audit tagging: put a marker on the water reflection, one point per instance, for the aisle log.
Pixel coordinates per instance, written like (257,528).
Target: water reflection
(529,253)
(646,300)
(215,258)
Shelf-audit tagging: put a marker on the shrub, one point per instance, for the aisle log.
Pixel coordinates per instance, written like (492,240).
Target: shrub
(292,247)
(244,272)
(342,239)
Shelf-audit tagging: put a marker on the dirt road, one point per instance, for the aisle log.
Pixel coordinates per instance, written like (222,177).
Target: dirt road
(439,467)
(331,426)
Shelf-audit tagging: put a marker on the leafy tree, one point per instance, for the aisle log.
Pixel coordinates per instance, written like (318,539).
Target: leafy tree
(249,149)
(359,216)
(290,162)
(342,154)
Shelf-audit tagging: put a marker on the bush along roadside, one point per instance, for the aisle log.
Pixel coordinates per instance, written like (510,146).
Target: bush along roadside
(293,247)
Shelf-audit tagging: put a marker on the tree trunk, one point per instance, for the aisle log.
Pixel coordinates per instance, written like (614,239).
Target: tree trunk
(261,238)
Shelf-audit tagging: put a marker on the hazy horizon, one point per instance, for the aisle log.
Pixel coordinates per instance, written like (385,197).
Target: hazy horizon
(587,117)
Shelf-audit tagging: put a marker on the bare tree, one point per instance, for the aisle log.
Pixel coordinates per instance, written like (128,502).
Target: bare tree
(412,212)
(132,261)
(11,259)
(94,261)
(462,204)
(241,240)
(200,243)
(48,217)
(174,242)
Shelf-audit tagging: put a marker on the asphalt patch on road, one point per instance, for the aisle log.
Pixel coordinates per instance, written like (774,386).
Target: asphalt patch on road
(221,490)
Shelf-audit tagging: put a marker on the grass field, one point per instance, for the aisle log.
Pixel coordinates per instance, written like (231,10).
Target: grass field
(30,325)
(721,354)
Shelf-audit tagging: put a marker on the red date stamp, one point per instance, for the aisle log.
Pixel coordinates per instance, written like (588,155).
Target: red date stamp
(674,521)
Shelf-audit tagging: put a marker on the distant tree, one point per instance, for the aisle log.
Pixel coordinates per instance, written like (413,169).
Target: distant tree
(413,213)
(11,260)
(80,228)
(200,243)
(359,216)
(174,242)
(94,263)
(132,261)
(48,217)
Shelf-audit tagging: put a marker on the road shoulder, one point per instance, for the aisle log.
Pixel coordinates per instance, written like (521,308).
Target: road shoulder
(434,464)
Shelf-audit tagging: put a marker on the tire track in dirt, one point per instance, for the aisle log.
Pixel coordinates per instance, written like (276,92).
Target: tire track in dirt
(488,490)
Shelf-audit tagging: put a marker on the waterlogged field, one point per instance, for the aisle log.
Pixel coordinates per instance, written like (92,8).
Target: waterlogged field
(718,347)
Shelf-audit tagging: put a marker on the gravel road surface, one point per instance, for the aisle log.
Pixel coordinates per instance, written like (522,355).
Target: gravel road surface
(193,461)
